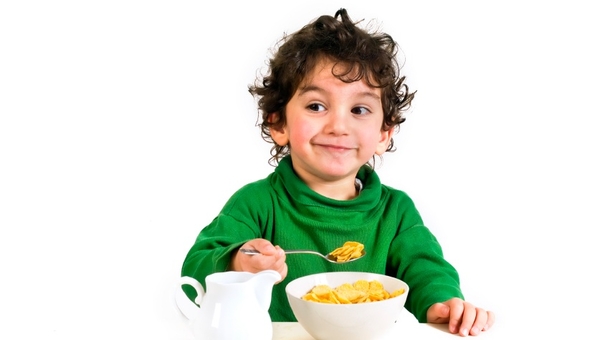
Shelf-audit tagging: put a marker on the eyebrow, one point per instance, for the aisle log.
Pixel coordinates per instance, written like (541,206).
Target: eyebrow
(311,88)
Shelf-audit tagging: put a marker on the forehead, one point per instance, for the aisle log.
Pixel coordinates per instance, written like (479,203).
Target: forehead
(327,70)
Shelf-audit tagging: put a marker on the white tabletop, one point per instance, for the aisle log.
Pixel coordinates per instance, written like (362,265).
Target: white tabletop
(294,331)
(407,328)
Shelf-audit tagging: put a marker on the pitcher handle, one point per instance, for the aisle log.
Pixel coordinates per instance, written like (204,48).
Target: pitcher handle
(188,308)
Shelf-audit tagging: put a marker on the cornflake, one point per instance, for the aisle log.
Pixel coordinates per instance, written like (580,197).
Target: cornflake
(361,291)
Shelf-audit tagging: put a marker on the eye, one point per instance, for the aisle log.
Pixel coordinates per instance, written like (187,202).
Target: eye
(358,110)
(316,107)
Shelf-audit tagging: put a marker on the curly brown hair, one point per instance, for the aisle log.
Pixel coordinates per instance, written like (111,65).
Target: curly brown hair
(369,56)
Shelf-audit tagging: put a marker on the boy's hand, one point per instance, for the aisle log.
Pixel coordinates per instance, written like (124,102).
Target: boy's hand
(270,257)
(463,318)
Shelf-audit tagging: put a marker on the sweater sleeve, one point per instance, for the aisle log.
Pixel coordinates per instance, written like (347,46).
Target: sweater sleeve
(430,277)
(417,258)
(237,223)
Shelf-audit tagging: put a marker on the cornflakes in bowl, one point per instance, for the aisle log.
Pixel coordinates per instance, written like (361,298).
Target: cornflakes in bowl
(347,305)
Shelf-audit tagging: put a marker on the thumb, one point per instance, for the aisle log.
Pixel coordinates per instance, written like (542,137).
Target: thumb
(438,313)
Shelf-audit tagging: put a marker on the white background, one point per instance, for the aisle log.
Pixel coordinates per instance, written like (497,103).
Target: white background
(126,125)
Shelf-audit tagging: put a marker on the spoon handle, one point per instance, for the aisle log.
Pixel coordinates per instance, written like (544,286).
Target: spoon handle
(249,251)
(256,252)
(329,257)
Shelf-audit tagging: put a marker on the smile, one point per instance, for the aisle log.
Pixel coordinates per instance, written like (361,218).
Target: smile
(332,147)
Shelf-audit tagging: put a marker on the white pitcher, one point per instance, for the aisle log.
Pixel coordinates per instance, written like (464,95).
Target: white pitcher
(235,305)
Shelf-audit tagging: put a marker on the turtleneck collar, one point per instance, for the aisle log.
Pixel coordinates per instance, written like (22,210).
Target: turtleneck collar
(301,194)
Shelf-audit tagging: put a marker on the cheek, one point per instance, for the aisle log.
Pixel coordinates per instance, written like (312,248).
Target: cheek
(301,132)
(369,135)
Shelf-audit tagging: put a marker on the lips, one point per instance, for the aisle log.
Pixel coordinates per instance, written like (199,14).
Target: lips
(336,147)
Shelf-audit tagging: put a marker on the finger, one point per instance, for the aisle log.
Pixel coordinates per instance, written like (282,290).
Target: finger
(263,246)
(491,318)
(280,253)
(456,312)
(435,312)
(283,271)
(280,258)
(274,259)
(480,321)
(255,262)
(251,263)
(468,318)
(438,313)
(442,311)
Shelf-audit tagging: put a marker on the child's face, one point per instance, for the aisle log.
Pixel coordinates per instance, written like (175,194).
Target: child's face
(332,127)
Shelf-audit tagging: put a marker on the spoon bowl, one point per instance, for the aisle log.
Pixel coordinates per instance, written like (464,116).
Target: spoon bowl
(328,257)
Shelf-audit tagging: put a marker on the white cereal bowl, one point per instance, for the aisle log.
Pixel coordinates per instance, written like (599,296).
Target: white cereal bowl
(363,321)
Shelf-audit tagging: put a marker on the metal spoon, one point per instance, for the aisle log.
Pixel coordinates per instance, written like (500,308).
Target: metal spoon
(329,258)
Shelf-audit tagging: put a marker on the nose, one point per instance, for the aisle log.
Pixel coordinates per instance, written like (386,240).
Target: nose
(337,122)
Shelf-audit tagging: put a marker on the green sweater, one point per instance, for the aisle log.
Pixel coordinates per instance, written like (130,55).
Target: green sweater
(284,210)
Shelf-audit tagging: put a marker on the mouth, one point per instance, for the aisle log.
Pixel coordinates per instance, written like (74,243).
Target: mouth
(335,147)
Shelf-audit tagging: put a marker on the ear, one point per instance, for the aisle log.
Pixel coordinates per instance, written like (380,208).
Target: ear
(385,140)
(278,134)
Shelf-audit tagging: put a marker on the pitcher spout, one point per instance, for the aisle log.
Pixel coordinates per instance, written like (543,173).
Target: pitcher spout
(264,282)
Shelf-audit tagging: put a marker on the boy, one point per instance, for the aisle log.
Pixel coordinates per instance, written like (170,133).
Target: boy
(330,104)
